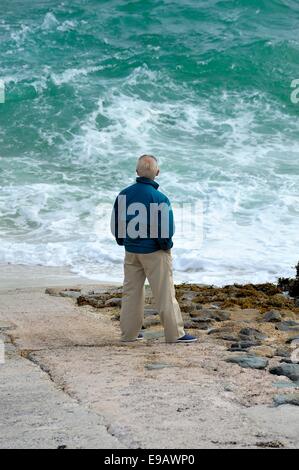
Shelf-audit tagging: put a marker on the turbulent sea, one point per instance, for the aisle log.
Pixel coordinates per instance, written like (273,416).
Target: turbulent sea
(203,85)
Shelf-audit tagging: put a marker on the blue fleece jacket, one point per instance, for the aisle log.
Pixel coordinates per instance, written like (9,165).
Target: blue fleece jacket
(147,236)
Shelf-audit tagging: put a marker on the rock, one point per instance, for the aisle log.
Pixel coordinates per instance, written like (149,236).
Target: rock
(291,339)
(295,356)
(211,314)
(114,302)
(264,351)
(196,325)
(295,343)
(252,333)
(201,318)
(288,325)
(290,285)
(283,352)
(73,294)
(289,370)
(187,307)
(284,384)
(89,300)
(272,316)
(116,317)
(52,291)
(188,295)
(228,337)
(241,345)
(252,362)
(221,315)
(225,329)
(289,399)
(150,311)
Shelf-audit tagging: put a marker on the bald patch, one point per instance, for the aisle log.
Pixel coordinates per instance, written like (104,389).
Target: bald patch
(147,166)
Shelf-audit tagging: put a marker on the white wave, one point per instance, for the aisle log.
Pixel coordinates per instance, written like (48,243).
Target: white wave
(221,149)
(70,75)
(67,26)
(50,21)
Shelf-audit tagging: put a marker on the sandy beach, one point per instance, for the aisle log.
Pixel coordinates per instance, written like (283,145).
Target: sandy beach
(68,382)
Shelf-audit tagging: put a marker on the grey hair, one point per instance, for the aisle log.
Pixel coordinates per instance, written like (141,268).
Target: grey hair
(147,166)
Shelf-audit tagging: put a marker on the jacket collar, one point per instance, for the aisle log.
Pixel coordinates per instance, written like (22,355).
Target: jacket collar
(142,179)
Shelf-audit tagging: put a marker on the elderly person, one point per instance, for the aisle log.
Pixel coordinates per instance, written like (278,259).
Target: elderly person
(147,238)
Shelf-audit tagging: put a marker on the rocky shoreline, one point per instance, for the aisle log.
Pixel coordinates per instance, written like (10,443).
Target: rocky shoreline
(258,324)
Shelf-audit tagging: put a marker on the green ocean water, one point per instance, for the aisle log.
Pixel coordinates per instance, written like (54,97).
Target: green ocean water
(203,85)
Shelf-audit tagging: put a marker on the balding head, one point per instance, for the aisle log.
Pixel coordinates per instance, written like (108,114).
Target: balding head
(147,166)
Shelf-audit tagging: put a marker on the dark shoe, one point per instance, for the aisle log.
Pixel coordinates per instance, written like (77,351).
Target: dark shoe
(187,339)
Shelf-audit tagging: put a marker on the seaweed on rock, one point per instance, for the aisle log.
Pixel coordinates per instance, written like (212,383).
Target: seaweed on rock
(290,285)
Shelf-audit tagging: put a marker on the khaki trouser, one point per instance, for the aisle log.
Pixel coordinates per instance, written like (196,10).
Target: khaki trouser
(157,268)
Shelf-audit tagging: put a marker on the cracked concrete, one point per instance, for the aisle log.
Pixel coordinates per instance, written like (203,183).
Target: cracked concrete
(35,413)
(67,381)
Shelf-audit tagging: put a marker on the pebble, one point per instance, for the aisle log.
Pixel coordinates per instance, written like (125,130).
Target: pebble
(252,362)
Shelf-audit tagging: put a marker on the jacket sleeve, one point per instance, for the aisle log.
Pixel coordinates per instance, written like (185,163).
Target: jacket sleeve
(167,243)
(114,224)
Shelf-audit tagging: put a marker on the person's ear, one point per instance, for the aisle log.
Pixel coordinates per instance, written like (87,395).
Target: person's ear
(158,172)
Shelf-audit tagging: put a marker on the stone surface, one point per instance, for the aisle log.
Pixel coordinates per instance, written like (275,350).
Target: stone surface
(36,414)
(283,352)
(288,399)
(114,302)
(288,325)
(251,362)
(289,370)
(188,296)
(94,301)
(295,343)
(211,314)
(252,333)
(228,337)
(283,384)
(196,325)
(73,294)
(150,311)
(241,345)
(263,351)
(272,316)
(292,338)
